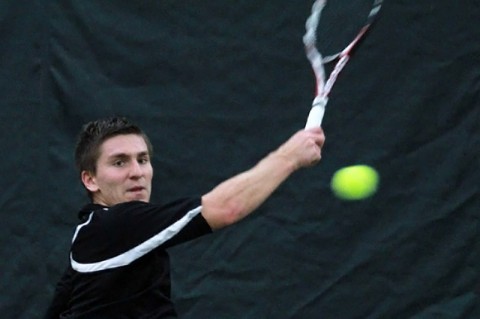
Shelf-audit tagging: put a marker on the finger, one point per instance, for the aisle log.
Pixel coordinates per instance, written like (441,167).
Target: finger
(320,139)
(315,161)
(314,130)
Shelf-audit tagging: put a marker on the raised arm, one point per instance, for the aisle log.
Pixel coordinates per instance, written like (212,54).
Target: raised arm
(240,195)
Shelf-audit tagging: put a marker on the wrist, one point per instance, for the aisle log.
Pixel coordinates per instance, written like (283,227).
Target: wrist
(284,162)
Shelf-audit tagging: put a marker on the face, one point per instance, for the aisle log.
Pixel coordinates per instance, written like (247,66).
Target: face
(124,171)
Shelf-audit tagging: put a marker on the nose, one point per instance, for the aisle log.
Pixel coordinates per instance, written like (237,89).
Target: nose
(136,170)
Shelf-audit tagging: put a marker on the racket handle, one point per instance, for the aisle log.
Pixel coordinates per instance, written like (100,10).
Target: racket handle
(315,116)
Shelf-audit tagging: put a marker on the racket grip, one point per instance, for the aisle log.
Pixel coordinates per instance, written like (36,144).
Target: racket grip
(317,111)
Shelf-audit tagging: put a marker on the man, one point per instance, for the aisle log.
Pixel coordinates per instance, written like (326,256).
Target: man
(119,267)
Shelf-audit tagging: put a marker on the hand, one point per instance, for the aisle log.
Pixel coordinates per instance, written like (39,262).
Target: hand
(304,148)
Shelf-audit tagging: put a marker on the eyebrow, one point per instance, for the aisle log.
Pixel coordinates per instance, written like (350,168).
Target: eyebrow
(125,155)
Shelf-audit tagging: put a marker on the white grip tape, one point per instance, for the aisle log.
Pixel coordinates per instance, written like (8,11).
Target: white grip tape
(315,116)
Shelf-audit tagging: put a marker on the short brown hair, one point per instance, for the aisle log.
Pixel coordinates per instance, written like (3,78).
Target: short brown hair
(94,133)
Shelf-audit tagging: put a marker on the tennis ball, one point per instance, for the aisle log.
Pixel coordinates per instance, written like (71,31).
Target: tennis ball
(355,182)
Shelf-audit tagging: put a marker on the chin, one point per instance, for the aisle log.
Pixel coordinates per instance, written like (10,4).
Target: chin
(143,198)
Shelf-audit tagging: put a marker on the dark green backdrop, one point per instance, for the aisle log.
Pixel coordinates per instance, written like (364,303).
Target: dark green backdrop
(219,84)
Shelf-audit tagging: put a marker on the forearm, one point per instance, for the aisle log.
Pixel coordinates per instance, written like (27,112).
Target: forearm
(238,196)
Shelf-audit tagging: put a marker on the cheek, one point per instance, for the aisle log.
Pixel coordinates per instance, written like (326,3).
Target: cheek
(112,179)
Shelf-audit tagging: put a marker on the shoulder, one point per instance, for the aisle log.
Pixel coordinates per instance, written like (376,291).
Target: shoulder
(181,206)
(142,215)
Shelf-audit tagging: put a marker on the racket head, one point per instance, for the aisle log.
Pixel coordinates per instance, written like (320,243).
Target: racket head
(314,30)
(340,22)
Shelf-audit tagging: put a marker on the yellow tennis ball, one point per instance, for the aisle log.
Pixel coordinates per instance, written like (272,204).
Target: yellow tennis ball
(355,182)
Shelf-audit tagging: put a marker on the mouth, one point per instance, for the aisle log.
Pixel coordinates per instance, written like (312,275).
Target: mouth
(136,189)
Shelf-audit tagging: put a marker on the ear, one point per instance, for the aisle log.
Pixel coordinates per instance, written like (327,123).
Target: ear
(89,181)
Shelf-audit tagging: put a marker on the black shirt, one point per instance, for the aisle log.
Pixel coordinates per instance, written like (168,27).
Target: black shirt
(119,267)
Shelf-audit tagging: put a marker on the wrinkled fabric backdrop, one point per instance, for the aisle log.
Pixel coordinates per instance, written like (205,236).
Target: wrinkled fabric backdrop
(217,85)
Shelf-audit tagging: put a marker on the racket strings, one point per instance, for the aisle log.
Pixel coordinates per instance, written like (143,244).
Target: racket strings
(317,62)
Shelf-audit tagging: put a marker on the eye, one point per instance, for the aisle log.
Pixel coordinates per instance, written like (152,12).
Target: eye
(143,160)
(119,163)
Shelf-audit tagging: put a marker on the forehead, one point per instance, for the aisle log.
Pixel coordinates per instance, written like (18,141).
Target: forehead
(126,144)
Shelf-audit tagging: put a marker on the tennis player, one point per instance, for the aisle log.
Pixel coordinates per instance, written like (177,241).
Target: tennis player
(118,266)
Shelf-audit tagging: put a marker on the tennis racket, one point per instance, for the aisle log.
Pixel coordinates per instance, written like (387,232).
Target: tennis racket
(317,62)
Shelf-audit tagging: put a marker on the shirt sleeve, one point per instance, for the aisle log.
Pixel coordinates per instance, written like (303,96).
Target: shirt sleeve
(179,221)
(196,228)
(121,234)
